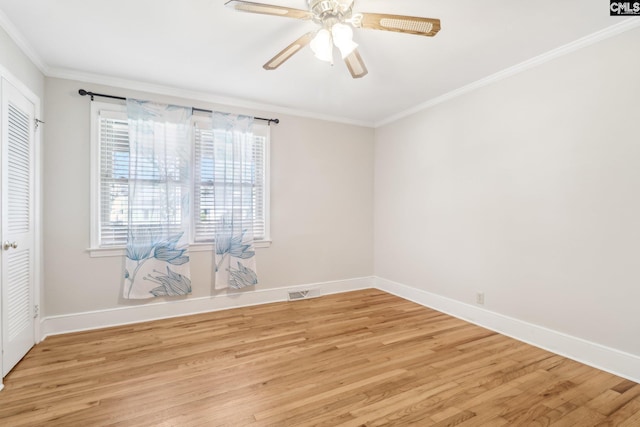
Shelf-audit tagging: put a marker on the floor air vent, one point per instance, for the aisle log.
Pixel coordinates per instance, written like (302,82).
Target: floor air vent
(303,294)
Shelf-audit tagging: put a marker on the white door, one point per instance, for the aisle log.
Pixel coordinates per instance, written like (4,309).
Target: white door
(17,233)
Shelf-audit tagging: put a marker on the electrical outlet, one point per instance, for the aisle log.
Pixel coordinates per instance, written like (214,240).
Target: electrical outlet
(480,298)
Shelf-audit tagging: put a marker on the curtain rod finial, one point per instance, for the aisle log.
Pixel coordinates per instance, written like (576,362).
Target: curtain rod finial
(83,92)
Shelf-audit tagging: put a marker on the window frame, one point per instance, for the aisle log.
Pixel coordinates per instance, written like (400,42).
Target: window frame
(115,110)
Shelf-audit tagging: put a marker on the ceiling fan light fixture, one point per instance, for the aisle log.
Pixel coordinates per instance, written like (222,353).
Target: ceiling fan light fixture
(343,39)
(335,21)
(322,46)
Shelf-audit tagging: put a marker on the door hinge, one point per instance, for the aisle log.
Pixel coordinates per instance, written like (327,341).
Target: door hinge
(36,310)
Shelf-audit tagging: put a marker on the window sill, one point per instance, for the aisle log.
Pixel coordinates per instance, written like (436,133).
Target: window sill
(120,251)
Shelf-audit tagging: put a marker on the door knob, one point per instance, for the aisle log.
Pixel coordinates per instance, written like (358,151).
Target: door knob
(8,245)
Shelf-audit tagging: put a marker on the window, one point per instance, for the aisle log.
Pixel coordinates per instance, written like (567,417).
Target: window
(110,180)
(206,219)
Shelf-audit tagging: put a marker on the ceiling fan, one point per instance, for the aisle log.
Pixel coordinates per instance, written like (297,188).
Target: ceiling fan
(337,20)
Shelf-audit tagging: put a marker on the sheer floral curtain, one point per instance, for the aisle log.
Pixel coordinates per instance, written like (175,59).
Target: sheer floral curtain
(234,194)
(157,261)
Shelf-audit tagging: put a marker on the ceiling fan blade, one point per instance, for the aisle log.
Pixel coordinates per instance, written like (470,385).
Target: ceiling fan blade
(356,65)
(288,52)
(269,9)
(400,23)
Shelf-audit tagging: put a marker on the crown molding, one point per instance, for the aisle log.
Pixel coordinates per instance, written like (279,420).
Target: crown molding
(196,95)
(614,30)
(16,36)
(159,89)
(22,43)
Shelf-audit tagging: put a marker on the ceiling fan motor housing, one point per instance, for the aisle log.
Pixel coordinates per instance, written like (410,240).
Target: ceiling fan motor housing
(329,12)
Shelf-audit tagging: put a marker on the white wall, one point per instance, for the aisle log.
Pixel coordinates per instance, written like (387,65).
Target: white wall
(17,63)
(527,190)
(321,205)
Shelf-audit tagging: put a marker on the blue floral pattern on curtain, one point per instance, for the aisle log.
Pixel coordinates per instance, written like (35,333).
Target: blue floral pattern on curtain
(157,260)
(234,173)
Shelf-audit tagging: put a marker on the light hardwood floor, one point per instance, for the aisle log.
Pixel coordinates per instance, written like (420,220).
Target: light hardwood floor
(362,358)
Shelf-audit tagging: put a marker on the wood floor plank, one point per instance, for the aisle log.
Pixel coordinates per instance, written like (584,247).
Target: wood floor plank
(362,358)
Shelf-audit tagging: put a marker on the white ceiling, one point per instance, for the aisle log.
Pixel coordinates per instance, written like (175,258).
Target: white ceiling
(201,45)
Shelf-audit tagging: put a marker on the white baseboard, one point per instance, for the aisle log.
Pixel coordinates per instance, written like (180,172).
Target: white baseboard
(601,357)
(55,325)
(598,356)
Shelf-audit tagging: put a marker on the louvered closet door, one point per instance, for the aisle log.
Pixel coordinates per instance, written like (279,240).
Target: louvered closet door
(17,226)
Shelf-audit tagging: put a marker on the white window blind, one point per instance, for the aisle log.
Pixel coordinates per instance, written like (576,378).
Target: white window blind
(207,219)
(114,178)
(112,186)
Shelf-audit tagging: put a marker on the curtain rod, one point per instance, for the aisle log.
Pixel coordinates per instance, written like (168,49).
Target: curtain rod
(92,94)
